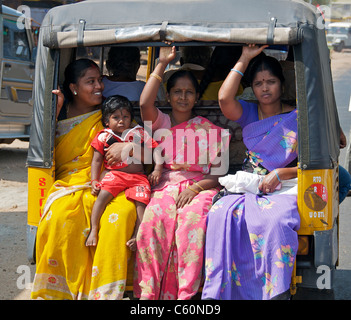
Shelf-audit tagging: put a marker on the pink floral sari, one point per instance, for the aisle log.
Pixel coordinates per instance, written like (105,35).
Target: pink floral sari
(170,240)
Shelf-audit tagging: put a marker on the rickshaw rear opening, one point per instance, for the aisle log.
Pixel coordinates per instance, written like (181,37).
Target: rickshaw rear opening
(293,27)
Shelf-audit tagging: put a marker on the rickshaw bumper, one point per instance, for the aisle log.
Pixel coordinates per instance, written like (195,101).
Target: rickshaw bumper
(31,240)
(316,270)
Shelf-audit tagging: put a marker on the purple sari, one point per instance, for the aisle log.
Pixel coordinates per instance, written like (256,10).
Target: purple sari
(254,256)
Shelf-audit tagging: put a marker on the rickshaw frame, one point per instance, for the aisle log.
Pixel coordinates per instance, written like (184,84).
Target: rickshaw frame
(293,23)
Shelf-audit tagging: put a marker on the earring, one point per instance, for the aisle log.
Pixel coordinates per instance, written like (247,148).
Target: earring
(75,92)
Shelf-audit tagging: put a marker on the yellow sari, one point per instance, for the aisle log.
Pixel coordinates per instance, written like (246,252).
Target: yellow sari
(66,268)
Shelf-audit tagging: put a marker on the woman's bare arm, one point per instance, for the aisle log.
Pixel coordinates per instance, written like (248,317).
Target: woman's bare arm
(230,107)
(148,96)
(271,181)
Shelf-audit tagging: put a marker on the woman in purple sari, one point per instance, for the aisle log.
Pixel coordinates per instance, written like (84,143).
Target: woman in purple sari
(251,239)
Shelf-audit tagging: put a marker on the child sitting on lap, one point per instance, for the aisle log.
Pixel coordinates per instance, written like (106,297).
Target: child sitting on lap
(117,116)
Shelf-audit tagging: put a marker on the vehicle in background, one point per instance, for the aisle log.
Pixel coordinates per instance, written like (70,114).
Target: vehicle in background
(16,75)
(339,35)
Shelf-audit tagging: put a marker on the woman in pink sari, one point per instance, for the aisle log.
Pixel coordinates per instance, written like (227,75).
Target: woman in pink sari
(171,237)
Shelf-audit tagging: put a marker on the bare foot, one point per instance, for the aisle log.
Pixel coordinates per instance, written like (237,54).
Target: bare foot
(92,239)
(131,244)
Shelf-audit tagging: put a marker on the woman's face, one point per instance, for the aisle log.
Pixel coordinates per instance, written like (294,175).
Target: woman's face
(89,88)
(266,87)
(182,95)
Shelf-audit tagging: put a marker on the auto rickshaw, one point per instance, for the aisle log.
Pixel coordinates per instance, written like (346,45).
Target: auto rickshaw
(17,54)
(93,26)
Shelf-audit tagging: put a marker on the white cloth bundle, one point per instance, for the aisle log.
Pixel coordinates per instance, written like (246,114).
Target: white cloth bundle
(243,182)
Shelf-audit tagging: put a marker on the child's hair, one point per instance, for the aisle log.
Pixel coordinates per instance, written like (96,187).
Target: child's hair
(113,103)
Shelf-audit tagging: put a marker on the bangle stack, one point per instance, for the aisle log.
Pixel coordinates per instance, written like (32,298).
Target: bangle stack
(200,187)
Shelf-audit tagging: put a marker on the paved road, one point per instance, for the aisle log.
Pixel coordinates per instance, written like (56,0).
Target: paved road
(342,89)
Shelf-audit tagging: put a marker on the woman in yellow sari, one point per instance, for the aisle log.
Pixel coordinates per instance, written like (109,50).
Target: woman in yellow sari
(66,268)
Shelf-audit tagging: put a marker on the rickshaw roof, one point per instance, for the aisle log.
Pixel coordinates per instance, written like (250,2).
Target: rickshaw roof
(121,21)
(9,11)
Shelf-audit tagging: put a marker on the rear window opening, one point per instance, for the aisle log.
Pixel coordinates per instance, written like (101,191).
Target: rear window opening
(198,64)
(198,60)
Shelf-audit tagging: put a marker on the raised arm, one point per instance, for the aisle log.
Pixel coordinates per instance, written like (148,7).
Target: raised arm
(148,96)
(230,107)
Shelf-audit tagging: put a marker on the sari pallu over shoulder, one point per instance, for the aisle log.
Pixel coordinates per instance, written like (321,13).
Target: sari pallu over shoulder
(77,141)
(194,146)
(73,168)
(273,141)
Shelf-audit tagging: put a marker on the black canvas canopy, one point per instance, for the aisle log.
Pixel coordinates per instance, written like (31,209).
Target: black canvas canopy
(108,22)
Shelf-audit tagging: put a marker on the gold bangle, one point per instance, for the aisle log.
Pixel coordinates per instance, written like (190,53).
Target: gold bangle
(202,189)
(156,76)
(193,190)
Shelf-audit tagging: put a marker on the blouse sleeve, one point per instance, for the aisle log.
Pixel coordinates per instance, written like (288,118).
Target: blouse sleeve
(250,113)
(163,121)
